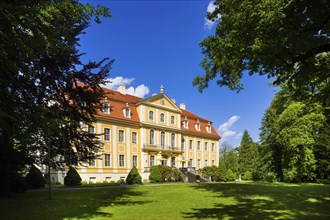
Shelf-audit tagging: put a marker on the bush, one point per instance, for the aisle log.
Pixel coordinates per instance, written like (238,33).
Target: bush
(212,171)
(247,175)
(270,177)
(134,177)
(72,177)
(230,175)
(155,175)
(18,184)
(34,178)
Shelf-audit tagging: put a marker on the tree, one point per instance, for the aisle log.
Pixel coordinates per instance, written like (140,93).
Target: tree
(72,177)
(288,40)
(35,178)
(290,130)
(222,171)
(46,91)
(134,177)
(230,175)
(247,154)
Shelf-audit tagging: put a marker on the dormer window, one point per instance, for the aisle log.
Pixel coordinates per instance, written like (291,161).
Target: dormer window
(208,127)
(198,125)
(106,106)
(127,111)
(185,122)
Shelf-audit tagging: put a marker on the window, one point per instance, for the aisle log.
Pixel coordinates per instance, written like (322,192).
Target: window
(208,127)
(162,117)
(152,137)
(185,124)
(198,126)
(198,163)
(162,139)
(173,161)
(121,136)
(91,163)
(152,161)
(151,115)
(205,146)
(212,147)
(213,163)
(190,163)
(172,120)
(127,113)
(106,134)
(190,144)
(172,140)
(107,160)
(135,161)
(91,129)
(182,144)
(205,163)
(134,137)
(198,145)
(106,108)
(121,160)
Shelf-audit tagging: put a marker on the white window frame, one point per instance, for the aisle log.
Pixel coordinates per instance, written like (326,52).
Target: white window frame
(162,138)
(198,145)
(172,120)
(107,160)
(152,137)
(121,138)
(91,129)
(173,140)
(121,160)
(162,117)
(206,146)
(134,137)
(212,147)
(106,108)
(151,115)
(135,160)
(107,136)
(152,160)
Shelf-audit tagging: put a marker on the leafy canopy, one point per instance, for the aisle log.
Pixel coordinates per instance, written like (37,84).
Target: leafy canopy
(288,40)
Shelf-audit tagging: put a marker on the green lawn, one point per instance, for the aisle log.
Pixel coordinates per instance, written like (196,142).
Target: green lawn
(177,201)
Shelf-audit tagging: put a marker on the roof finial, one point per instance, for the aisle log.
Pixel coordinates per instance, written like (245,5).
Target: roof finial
(161,89)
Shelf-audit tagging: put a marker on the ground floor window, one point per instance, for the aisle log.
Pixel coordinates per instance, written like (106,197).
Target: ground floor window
(173,161)
(164,162)
(198,163)
(190,162)
(107,160)
(121,160)
(135,161)
(152,161)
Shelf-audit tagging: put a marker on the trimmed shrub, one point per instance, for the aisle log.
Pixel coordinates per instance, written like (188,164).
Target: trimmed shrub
(18,184)
(212,171)
(72,177)
(34,178)
(230,175)
(134,177)
(270,177)
(247,175)
(155,175)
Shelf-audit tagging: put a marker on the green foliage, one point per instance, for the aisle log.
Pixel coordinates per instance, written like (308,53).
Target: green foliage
(230,175)
(18,184)
(159,174)
(72,177)
(270,177)
(155,175)
(198,177)
(134,177)
(222,171)
(42,102)
(212,171)
(247,175)
(288,40)
(34,178)
(247,154)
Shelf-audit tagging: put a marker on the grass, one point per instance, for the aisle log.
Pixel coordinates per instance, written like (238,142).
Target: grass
(174,201)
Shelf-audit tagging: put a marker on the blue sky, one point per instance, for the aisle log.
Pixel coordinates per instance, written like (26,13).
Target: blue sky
(156,43)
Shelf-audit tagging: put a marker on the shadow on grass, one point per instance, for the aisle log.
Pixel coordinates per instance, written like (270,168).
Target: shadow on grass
(265,201)
(68,204)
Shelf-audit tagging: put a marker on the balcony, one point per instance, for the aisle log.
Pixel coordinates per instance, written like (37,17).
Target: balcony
(162,149)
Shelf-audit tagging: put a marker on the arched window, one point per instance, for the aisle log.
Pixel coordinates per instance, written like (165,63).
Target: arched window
(152,137)
(162,138)
(151,115)
(162,117)
(172,140)
(172,120)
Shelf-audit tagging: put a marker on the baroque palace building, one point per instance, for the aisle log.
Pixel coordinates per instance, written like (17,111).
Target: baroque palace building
(147,132)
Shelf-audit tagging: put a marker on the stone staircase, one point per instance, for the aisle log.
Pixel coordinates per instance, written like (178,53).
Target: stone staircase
(190,174)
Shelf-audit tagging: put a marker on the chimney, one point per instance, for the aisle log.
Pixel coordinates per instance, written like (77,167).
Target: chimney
(183,106)
(122,89)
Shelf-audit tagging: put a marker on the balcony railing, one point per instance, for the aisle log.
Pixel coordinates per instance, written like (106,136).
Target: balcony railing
(162,148)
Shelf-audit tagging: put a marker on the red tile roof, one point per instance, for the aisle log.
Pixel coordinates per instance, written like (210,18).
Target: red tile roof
(118,102)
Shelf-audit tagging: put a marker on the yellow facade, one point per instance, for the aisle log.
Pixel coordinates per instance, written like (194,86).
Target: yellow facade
(157,138)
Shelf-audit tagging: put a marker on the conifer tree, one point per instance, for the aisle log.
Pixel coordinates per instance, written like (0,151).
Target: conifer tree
(247,154)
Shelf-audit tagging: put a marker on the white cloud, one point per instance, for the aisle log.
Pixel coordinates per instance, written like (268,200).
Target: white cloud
(210,8)
(139,91)
(226,131)
(114,84)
